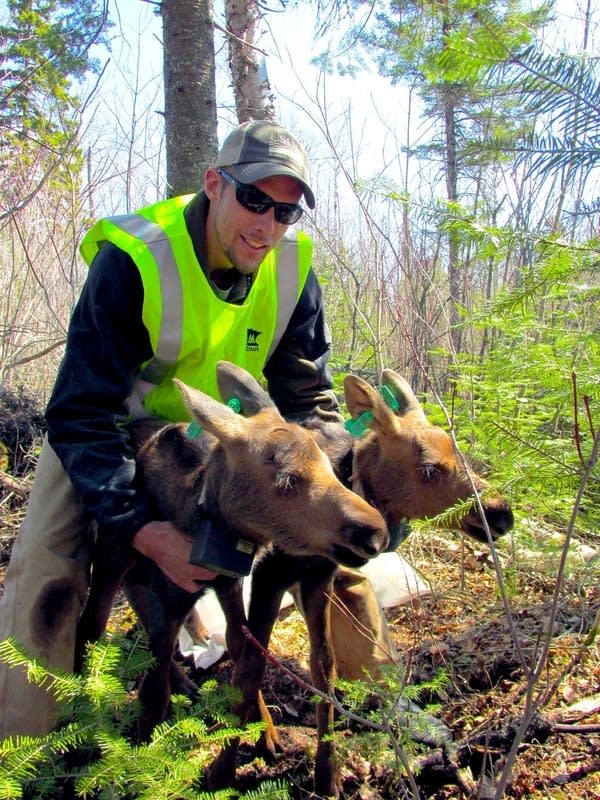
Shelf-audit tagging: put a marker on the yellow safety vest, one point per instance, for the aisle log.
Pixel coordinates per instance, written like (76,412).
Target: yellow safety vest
(190,327)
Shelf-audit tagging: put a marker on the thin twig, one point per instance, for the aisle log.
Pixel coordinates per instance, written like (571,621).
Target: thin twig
(383,727)
(532,704)
(576,432)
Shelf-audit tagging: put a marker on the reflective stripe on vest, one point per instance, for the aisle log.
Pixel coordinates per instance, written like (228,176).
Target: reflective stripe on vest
(171,328)
(288,288)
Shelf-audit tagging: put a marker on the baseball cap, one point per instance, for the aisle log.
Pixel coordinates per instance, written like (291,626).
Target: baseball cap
(260,149)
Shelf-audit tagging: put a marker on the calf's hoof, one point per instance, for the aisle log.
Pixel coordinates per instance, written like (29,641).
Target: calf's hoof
(221,773)
(269,745)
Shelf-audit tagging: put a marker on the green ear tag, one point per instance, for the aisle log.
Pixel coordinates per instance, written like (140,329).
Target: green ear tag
(357,427)
(389,398)
(235,404)
(194,429)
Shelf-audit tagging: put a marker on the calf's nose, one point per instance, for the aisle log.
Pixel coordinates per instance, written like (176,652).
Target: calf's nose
(500,519)
(369,539)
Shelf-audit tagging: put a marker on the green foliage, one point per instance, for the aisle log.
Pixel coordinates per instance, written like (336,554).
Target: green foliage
(451,52)
(268,790)
(383,187)
(91,751)
(563,90)
(390,715)
(530,406)
(44,48)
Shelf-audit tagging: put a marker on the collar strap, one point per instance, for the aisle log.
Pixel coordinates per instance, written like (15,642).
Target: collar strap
(237,542)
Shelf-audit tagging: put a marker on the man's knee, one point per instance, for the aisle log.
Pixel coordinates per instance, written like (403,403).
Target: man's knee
(42,620)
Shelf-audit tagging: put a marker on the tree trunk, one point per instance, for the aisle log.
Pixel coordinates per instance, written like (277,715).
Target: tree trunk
(251,88)
(190,94)
(454,271)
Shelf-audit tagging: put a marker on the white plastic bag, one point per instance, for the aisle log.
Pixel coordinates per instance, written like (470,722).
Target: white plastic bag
(394,580)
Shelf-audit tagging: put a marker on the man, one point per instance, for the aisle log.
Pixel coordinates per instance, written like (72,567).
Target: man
(171,290)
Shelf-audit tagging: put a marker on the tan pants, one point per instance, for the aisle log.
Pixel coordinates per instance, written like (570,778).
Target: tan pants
(45,587)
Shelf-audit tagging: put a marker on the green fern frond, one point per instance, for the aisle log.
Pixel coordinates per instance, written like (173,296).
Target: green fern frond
(216,700)
(450,518)
(102,685)
(220,794)
(102,657)
(26,758)
(10,788)
(156,770)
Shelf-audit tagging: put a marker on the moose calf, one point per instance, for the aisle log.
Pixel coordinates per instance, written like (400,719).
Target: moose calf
(262,480)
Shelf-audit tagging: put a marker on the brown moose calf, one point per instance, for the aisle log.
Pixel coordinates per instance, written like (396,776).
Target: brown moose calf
(405,467)
(261,479)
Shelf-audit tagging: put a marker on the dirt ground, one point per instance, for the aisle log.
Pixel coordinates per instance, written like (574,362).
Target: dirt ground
(485,645)
(463,628)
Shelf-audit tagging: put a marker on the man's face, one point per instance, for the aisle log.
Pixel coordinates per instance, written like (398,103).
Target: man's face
(237,237)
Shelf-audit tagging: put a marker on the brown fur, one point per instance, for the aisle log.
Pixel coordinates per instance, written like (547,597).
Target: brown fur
(261,478)
(407,468)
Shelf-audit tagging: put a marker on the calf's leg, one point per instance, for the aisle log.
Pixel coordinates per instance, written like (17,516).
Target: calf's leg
(315,593)
(167,607)
(268,587)
(137,591)
(110,564)
(360,634)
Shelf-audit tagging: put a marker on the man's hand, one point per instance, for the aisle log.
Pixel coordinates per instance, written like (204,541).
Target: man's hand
(170,550)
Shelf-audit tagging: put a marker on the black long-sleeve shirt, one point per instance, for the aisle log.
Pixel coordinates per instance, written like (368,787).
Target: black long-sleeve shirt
(108,342)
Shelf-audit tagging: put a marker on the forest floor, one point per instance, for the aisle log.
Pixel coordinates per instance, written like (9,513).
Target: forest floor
(485,645)
(462,628)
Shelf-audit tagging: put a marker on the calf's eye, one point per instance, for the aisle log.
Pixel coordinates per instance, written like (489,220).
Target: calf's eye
(429,472)
(286,483)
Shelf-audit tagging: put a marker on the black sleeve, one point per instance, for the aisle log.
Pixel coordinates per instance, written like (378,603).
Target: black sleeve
(107,343)
(297,373)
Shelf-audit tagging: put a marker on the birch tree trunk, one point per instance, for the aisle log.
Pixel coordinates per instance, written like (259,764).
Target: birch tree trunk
(251,88)
(190,94)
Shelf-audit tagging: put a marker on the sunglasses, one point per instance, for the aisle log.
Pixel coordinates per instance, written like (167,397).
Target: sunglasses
(258,202)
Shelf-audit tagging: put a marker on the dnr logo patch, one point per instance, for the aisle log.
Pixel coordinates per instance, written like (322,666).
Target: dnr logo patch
(252,339)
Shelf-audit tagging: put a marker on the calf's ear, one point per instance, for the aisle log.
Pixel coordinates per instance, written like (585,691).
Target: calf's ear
(403,394)
(361,398)
(233,381)
(212,415)
(359,395)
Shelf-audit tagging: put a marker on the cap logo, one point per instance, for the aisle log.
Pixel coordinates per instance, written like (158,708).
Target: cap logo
(286,141)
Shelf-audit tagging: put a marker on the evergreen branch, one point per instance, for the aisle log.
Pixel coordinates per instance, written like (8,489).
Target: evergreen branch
(534,448)
(64,685)
(268,790)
